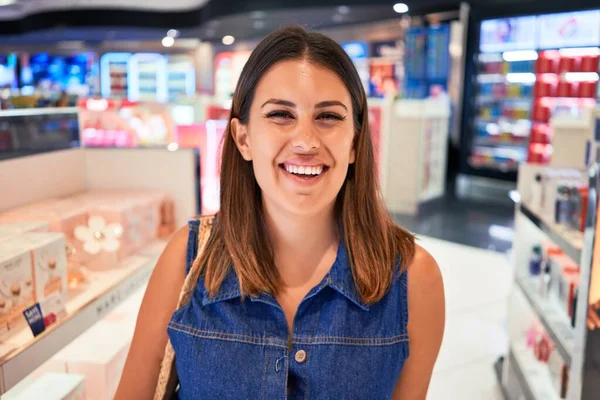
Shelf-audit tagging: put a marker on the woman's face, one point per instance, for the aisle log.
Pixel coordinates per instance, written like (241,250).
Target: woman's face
(299,136)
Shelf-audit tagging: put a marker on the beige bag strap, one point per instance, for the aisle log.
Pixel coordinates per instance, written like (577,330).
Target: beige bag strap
(167,379)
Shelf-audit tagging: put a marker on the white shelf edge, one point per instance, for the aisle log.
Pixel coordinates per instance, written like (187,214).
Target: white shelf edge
(23,361)
(551,326)
(521,355)
(28,112)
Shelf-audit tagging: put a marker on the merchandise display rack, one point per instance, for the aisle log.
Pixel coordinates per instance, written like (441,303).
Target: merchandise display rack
(570,241)
(22,353)
(569,372)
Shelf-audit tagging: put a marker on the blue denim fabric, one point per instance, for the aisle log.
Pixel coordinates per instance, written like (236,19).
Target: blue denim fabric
(229,349)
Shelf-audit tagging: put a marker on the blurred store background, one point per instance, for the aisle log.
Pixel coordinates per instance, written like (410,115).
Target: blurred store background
(486,123)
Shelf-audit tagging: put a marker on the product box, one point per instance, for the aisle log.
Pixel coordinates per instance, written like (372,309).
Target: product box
(101,362)
(16,283)
(52,386)
(49,257)
(11,229)
(62,216)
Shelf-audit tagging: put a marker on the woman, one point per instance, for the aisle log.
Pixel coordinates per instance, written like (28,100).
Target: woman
(306,284)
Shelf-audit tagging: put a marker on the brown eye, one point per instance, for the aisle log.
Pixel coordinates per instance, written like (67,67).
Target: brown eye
(330,117)
(280,115)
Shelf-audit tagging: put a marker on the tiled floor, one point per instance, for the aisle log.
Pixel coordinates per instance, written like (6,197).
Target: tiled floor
(477,283)
(464,221)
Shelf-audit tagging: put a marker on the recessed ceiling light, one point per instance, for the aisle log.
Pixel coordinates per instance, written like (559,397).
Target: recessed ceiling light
(343,9)
(259,24)
(337,18)
(400,8)
(173,33)
(168,41)
(228,40)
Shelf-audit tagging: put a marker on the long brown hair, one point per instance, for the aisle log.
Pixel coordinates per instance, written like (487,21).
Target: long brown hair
(239,239)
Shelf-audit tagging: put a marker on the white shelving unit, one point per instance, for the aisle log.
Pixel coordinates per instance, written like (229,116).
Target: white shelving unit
(81,170)
(520,374)
(22,353)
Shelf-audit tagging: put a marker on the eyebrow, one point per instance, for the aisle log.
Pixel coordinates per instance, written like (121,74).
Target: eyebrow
(290,104)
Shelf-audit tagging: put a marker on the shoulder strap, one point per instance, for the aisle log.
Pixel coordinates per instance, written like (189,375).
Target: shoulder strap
(199,233)
(196,244)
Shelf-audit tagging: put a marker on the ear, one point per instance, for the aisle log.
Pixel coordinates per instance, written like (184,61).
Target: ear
(239,132)
(352,156)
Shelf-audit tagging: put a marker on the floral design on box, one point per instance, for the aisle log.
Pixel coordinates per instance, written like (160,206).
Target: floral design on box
(98,236)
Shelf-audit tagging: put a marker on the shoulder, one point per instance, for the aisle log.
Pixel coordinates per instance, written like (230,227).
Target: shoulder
(423,271)
(426,299)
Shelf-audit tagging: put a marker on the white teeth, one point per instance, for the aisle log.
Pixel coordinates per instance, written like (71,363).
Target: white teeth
(304,170)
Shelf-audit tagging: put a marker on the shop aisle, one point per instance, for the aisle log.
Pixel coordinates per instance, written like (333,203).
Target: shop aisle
(477,283)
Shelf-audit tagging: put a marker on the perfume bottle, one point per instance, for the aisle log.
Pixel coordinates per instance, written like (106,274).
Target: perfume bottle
(535,260)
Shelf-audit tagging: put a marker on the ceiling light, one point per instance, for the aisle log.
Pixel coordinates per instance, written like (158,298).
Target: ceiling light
(173,33)
(228,40)
(400,8)
(168,41)
(343,9)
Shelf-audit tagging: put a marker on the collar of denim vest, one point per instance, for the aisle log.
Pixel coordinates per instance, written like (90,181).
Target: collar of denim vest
(338,278)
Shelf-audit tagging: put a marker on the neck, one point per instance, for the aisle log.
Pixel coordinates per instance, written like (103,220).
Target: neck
(301,243)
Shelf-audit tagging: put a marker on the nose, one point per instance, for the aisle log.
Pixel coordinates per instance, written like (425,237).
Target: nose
(306,139)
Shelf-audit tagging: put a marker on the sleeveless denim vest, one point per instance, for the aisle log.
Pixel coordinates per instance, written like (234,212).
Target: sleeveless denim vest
(341,348)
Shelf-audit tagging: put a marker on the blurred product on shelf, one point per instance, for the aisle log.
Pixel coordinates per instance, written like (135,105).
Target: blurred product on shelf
(16,286)
(101,227)
(121,123)
(53,386)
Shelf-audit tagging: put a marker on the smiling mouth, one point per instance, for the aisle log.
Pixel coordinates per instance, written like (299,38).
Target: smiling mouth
(306,172)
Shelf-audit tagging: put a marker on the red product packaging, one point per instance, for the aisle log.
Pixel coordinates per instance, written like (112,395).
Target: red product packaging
(567,64)
(567,89)
(540,133)
(541,113)
(547,62)
(590,63)
(544,88)
(539,153)
(587,89)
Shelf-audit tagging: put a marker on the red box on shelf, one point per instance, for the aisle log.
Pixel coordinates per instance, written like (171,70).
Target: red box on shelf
(541,133)
(539,153)
(567,64)
(544,88)
(541,113)
(547,62)
(567,89)
(587,89)
(590,63)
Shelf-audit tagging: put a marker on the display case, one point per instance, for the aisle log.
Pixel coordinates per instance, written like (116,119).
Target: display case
(114,209)
(37,130)
(522,71)
(553,309)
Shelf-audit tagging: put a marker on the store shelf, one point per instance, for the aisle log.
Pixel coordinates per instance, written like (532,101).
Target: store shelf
(22,353)
(569,240)
(28,112)
(498,99)
(553,319)
(534,376)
